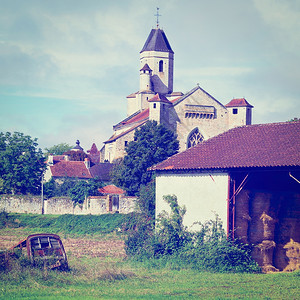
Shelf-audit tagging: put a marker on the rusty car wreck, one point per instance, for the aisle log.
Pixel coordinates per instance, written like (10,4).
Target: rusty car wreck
(45,248)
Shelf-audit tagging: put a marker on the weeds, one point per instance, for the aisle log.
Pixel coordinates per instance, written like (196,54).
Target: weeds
(173,245)
(7,221)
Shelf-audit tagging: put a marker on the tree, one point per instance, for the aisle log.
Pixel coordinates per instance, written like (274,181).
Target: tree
(152,144)
(76,155)
(146,199)
(58,149)
(77,189)
(82,189)
(22,164)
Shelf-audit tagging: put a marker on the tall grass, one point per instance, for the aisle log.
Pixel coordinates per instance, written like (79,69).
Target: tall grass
(114,278)
(73,224)
(94,278)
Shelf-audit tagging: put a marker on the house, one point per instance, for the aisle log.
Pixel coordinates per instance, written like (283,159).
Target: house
(194,116)
(61,166)
(250,177)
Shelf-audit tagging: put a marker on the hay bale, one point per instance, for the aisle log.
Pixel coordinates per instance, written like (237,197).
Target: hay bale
(293,254)
(263,255)
(268,226)
(242,216)
(288,228)
(258,205)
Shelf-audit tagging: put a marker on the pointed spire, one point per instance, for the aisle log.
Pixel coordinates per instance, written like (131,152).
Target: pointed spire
(157,41)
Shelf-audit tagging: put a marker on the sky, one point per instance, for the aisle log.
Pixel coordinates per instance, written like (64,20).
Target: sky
(66,66)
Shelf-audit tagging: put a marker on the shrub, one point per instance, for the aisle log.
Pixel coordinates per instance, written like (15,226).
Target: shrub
(172,244)
(172,235)
(140,239)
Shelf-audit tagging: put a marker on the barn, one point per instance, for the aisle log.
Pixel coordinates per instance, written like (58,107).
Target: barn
(250,177)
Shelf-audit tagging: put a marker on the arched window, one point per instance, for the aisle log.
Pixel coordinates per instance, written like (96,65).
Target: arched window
(161,66)
(194,138)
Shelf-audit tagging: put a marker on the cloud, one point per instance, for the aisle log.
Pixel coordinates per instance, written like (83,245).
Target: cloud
(283,17)
(73,62)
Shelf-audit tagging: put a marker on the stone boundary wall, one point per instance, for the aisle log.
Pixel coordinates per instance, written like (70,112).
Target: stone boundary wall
(94,205)
(21,204)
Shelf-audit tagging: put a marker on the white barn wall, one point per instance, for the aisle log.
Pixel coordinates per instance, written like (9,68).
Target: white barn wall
(201,193)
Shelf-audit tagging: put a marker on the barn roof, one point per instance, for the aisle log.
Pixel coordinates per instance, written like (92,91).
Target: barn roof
(263,145)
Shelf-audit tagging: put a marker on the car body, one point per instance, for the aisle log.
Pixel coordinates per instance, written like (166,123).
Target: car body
(46,248)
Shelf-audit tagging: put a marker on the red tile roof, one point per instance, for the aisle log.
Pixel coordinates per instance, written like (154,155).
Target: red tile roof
(139,117)
(111,189)
(264,145)
(242,102)
(70,169)
(115,137)
(133,95)
(159,98)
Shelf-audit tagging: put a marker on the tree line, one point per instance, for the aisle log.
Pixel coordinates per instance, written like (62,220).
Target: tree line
(22,165)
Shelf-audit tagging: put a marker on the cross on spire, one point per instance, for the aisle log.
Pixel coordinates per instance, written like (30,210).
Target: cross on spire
(157,17)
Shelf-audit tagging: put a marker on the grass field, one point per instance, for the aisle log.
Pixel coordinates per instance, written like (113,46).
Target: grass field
(99,269)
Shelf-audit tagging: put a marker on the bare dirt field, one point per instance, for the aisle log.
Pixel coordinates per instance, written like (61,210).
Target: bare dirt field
(108,246)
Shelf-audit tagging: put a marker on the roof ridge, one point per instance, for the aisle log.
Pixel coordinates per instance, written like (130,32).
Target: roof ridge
(249,146)
(193,91)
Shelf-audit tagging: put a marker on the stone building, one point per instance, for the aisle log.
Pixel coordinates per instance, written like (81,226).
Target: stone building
(60,167)
(194,116)
(250,177)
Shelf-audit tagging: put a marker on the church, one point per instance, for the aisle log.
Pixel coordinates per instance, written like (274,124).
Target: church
(195,116)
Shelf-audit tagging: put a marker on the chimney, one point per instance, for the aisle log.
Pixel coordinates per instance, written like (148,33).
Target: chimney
(87,163)
(66,157)
(50,160)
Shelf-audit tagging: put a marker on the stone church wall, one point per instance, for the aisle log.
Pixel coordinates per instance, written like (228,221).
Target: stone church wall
(208,127)
(96,205)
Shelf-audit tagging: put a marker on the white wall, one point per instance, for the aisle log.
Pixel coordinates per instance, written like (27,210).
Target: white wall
(202,195)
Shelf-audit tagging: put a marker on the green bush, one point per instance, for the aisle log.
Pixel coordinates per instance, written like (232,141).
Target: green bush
(172,244)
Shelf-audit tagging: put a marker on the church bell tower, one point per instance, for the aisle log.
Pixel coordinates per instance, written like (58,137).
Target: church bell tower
(158,55)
